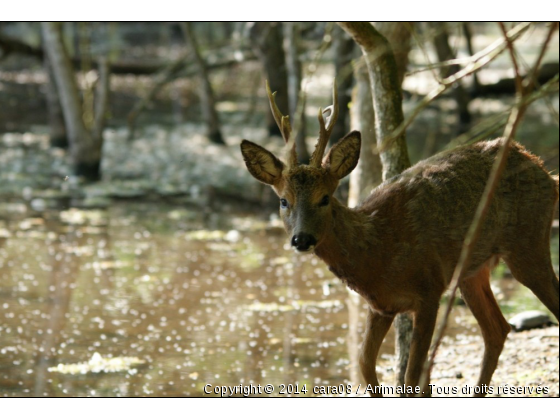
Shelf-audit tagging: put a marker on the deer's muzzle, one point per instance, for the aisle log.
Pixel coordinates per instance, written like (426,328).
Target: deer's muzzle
(303,242)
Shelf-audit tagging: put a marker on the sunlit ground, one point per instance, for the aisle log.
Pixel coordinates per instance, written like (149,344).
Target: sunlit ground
(158,300)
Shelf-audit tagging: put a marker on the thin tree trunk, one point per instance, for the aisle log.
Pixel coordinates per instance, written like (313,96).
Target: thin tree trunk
(344,48)
(56,118)
(84,150)
(444,53)
(101,99)
(367,174)
(267,37)
(385,83)
(208,100)
(83,48)
(296,108)
(353,302)
(363,179)
(398,34)
(468,37)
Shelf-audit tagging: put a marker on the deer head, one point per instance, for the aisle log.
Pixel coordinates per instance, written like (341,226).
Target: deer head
(305,191)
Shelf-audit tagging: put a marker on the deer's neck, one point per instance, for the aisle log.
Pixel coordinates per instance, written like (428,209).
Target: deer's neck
(348,245)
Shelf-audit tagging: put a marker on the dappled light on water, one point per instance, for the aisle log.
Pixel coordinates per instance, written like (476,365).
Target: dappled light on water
(136,300)
(159,300)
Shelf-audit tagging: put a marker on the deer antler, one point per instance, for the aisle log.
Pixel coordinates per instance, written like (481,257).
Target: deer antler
(283,122)
(325,129)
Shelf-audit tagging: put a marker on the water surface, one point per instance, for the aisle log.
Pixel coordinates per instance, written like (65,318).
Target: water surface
(152,299)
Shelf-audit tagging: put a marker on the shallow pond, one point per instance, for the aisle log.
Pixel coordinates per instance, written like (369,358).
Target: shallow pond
(151,299)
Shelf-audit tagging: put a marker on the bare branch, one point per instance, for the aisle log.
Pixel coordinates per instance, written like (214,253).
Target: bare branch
(486,56)
(472,236)
(486,127)
(530,80)
(513,56)
(168,74)
(474,230)
(430,66)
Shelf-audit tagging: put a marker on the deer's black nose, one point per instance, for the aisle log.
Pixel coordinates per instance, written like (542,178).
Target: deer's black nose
(303,242)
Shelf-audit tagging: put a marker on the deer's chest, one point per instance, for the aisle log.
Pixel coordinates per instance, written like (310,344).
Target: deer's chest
(377,299)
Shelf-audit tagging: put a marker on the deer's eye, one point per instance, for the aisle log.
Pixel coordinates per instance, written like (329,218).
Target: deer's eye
(324,201)
(283,203)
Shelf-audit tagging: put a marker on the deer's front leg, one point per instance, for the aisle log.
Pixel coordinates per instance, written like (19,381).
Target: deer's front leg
(423,329)
(376,329)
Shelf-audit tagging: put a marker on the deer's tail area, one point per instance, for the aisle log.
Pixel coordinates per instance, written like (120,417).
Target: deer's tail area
(555,178)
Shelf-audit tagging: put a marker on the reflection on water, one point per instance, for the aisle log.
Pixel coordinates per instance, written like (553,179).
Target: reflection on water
(155,300)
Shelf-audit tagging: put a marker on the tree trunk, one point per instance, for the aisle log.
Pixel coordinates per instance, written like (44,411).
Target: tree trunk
(84,150)
(296,100)
(367,174)
(387,97)
(56,118)
(385,83)
(444,53)
(207,98)
(398,35)
(267,37)
(101,99)
(470,48)
(344,52)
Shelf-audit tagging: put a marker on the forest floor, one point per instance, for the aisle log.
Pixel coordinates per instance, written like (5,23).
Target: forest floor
(529,359)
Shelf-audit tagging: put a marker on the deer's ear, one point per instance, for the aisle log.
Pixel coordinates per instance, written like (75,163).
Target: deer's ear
(262,164)
(343,157)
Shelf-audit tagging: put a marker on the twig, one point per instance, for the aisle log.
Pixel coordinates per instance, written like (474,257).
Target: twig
(472,236)
(487,55)
(531,78)
(500,43)
(431,66)
(530,81)
(476,225)
(524,87)
(440,64)
(513,55)
(160,80)
(489,125)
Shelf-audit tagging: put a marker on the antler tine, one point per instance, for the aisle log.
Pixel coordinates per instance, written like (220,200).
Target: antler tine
(325,129)
(283,121)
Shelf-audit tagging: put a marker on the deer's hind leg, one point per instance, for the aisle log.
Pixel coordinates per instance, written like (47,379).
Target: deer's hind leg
(528,253)
(532,267)
(376,330)
(480,299)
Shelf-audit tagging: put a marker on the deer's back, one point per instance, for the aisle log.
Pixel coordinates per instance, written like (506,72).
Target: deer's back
(434,201)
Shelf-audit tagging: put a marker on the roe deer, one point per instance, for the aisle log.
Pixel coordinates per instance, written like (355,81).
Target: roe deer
(398,249)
